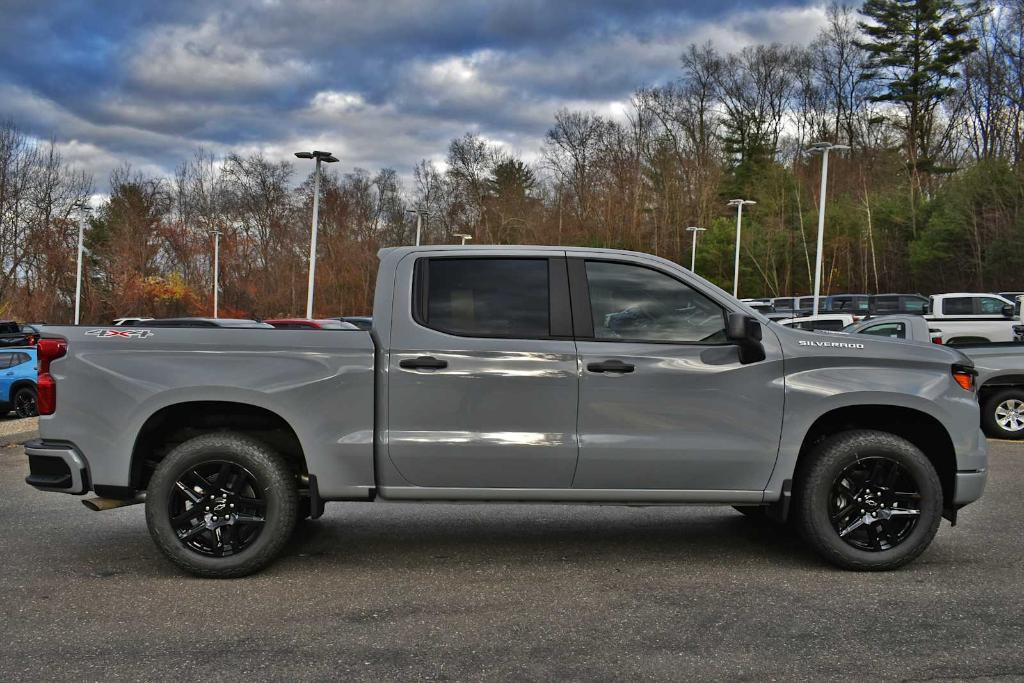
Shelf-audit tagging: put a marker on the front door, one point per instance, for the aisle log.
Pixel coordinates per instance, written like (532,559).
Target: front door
(664,401)
(482,375)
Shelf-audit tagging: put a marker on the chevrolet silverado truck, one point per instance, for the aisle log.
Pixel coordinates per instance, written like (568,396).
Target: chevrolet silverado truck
(512,374)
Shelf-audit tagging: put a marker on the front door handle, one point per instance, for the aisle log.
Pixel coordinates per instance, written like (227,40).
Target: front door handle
(423,363)
(610,366)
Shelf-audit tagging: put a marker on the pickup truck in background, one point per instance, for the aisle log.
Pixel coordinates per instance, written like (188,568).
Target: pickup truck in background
(1000,382)
(967,318)
(512,374)
(906,327)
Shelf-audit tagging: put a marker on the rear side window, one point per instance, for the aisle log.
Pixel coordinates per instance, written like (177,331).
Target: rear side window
(635,303)
(960,305)
(487,297)
(782,303)
(887,304)
(812,325)
(892,330)
(6,360)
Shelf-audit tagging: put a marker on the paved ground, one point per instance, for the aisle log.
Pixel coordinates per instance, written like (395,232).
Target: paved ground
(465,592)
(16,430)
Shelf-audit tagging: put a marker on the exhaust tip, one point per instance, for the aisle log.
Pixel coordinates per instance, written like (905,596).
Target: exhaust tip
(101,504)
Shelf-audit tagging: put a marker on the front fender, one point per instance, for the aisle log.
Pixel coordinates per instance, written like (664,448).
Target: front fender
(925,387)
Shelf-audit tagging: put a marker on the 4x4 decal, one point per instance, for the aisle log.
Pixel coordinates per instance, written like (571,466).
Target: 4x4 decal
(123,334)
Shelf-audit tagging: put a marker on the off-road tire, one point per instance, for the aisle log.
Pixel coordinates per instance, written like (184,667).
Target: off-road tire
(988,413)
(827,462)
(277,484)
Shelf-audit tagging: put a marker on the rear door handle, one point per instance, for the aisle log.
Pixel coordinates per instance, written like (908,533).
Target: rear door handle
(610,366)
(423,363)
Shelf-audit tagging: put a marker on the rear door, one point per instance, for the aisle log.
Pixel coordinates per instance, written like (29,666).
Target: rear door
(7,359)
(482,374)
(664,401)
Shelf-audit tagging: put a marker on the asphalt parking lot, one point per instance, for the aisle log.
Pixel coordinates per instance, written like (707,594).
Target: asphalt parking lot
(472,592)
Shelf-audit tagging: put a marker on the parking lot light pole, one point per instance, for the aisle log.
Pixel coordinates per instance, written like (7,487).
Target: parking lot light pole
(824,148)
(78,276)
(78,267)
(327,158)
(693,247)
(464,236)
(739,204)
(419,223)
(216,268)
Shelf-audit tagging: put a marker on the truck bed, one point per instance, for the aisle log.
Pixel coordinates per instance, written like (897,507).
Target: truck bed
(283,372)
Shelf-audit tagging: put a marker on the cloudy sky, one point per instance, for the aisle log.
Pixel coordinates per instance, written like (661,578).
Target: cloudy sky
(377,82)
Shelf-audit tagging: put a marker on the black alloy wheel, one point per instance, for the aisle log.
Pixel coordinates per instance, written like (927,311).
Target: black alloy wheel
(867,500)
(222,504)
(875,504)
(25,402)
(216,508)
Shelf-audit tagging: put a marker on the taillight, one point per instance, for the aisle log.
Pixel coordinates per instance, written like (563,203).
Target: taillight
(936,340)
(48,350)
(964,376)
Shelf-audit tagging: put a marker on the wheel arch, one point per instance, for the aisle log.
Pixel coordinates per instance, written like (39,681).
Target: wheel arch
(1002,382)
(967,339)
(919,428)
(178,422)
(20,384)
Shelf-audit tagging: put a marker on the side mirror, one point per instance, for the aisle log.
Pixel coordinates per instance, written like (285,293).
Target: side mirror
(746,333)
(1007,310)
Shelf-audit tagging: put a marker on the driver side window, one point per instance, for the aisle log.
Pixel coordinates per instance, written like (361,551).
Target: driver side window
(634,303)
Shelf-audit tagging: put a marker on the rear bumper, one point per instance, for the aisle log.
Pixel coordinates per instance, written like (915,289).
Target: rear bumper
(56,467)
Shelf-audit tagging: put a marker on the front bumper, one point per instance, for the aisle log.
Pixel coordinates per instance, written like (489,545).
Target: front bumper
(972,471)
(56,467)
(969,486)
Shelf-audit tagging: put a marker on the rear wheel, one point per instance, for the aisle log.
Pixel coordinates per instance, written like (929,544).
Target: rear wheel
(25,402)
(869,501)
(1002,414)
(221,505)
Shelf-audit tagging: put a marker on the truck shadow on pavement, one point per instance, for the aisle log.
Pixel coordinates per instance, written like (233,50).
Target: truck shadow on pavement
(413,536)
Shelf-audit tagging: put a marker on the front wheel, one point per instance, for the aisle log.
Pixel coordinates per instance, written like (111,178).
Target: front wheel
(1002,414)
(222,505)
(869,501)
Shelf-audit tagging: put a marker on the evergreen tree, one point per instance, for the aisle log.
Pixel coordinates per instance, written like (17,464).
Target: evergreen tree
(913,50)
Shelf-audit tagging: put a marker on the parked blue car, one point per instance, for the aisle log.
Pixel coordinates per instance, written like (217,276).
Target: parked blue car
(18,382)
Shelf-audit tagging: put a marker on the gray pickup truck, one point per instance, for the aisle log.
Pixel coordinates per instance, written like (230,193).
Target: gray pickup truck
(512,374)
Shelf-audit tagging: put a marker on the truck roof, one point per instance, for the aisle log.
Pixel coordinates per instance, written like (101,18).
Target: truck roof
(505,248)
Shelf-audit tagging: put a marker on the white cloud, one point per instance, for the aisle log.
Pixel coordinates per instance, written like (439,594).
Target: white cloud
(206,59)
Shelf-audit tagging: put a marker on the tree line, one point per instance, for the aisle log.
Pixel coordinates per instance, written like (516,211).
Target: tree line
(928,95)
